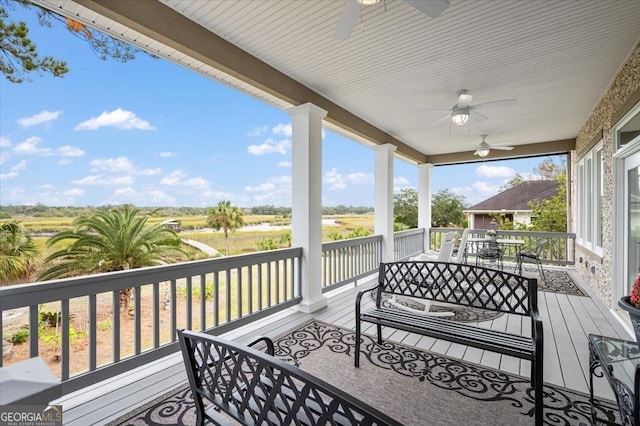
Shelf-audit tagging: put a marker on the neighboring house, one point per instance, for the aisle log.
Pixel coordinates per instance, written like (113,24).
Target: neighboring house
(513,204)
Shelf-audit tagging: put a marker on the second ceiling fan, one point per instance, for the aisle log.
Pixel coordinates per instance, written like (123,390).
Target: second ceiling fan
(463,110)
(484,148)
(351,13)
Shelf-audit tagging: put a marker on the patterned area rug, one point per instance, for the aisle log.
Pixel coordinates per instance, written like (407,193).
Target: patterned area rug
(556,281)
(415,387)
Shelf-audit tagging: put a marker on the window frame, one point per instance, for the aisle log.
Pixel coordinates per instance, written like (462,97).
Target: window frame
(590,194)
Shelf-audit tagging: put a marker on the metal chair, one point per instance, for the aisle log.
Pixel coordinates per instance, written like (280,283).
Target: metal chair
(533,255)
(490,252)
(461,253)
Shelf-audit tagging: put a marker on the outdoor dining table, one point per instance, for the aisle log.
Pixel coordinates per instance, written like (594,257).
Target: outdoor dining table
(473,244)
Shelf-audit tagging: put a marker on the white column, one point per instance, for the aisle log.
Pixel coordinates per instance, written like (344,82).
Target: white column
(384,198)
(424,200)
(306,214)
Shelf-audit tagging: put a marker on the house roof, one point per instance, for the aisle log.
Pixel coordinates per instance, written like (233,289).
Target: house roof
(397,77)
(517,198)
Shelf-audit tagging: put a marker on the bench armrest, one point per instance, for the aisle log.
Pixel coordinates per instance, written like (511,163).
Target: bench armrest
(359,298)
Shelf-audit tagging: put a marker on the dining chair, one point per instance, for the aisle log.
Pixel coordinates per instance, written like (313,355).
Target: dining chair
(531,254)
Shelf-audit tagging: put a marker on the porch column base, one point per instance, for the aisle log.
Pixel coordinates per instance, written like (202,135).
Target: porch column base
(309,306)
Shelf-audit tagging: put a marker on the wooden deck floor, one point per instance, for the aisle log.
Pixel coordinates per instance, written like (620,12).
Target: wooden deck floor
(568,320)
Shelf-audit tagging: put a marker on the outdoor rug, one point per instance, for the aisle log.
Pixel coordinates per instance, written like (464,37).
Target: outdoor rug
(413,386)
(556,281)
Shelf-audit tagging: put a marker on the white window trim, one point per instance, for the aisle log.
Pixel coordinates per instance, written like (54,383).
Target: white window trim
(589,201)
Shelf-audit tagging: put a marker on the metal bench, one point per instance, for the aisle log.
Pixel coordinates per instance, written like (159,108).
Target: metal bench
(243,385)
(466,285)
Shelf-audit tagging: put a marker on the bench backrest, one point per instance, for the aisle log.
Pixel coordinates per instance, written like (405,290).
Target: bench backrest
(460,284)
(254,387)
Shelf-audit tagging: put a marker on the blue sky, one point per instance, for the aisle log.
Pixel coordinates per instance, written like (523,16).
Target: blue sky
(151,133)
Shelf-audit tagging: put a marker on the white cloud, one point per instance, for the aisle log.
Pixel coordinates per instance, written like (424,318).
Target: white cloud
(267,186)
(484,188)
(196,182)
(167,154)
(269,146)
(334,180)
(4,142)
(70,151)
(150,172)
(284,164)
(31,146)
(119,118)
(360,178)
(73,192)
(282,129)
(400,181)
(177,178)
(495,171)
(127,192)
(257,131)
(173,178)
(102,180)
(119,164)
(42,117)
(160,197)
(14,171)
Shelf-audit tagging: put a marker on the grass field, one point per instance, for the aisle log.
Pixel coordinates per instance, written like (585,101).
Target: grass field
(240,242)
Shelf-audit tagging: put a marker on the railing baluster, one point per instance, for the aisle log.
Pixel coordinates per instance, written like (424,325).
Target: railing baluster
(269,289)
(137,316)
(93,332)
(203,301)
(156,314)
(239,292)
(174,313)
(249,270)
(260,294)
(64,348)
(216,301)
(228,287)
(277,279)
(115,304)
(189,312)
(34,320)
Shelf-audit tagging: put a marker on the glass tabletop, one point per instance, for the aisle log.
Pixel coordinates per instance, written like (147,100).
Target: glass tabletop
(618,356)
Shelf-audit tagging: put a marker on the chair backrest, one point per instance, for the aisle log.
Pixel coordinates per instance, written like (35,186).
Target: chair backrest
(462,246)
(251,386)
(540,245)
(446,247)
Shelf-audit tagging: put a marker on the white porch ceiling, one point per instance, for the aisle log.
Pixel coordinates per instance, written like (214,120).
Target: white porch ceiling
(556,57)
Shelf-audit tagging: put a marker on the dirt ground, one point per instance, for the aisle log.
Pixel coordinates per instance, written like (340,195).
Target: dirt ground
(79,361)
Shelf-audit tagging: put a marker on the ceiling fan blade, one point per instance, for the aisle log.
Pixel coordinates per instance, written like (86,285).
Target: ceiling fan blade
(432,8)
(445,118)
(348,19)
(494,104)
(476,116)
(502,148)
(464,99)
(477,152)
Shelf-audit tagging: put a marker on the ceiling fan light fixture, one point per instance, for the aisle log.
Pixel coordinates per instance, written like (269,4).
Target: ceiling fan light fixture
(483,152)
(459,116)
(367,2)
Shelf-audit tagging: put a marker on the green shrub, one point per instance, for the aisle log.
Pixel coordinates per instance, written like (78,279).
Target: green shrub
(20,336)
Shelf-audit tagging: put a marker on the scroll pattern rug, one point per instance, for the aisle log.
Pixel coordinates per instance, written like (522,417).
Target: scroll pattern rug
(413,386)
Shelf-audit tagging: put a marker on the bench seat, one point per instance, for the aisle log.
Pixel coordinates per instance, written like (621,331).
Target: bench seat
(453,331)
(464,285)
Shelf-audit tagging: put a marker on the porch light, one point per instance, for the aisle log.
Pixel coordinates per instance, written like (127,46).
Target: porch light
(483,152)
(460,116)
(367,2)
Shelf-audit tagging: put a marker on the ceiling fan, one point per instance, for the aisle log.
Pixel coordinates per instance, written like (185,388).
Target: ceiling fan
(351,13)
(463,109)
(484,147)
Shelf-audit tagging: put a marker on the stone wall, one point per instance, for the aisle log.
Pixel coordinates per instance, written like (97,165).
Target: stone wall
(598,271)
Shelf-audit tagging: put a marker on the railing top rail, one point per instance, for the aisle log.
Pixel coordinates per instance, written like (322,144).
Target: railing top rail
(49,291)
(408,232)
(351,242)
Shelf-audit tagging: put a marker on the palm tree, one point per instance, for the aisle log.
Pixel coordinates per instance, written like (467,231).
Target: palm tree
(114,240)
(17,252)
(225,217)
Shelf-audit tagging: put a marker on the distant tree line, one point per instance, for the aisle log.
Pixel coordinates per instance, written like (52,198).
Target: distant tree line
(40,210)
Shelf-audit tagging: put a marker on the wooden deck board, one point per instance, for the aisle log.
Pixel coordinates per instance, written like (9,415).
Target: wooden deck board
(567,322)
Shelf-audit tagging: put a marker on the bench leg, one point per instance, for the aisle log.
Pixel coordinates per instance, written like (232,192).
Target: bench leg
(379,334)
(356,354)
(538,382)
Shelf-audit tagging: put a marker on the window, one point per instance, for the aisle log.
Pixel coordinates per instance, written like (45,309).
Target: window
(590,196)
